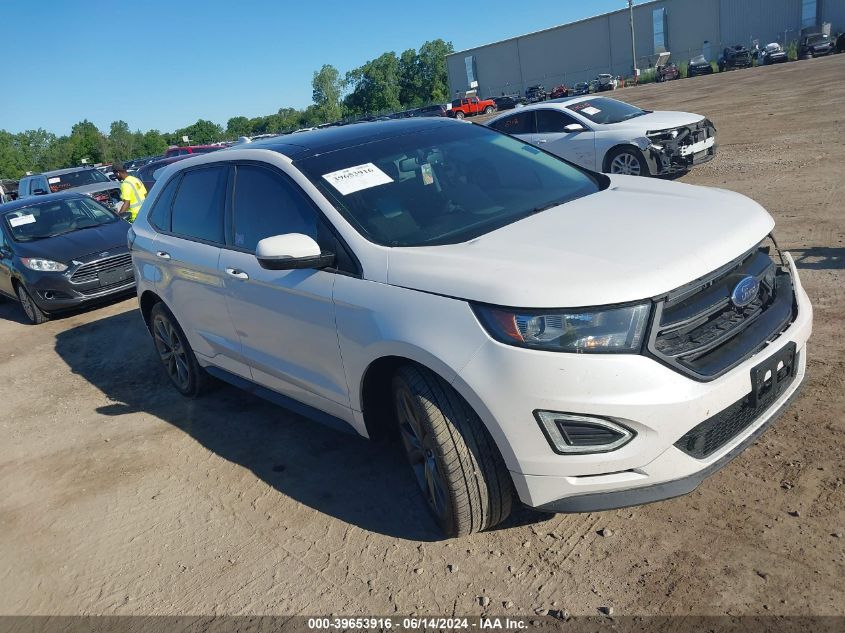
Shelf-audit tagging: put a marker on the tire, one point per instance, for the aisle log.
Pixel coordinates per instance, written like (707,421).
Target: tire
(459,115)
(175,353)
(35,314)
(488,110)
(455,461)
(627,161)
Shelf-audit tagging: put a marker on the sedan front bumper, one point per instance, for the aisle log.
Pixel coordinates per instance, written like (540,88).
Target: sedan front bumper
(694,145)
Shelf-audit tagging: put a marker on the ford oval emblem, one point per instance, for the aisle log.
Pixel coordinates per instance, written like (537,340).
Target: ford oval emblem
(745,291)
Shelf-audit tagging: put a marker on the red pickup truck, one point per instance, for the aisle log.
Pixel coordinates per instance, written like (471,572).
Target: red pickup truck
(471,105)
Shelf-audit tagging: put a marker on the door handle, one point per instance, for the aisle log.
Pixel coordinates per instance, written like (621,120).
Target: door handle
(237,274)
(542,140)
(162,254)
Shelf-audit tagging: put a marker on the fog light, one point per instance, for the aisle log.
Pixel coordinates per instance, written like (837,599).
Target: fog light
(568,433)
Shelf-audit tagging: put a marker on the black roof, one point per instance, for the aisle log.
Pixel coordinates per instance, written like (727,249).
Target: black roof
(306,144)
(33,200)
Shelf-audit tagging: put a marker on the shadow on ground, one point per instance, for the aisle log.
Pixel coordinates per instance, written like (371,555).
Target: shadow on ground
(342,475)
(819,257)
(11,310)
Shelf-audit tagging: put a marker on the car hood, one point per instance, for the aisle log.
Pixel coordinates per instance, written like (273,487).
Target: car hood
(95,187)
(659,120)
(78,245)
(637,239)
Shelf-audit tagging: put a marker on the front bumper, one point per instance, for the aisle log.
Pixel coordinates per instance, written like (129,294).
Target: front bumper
(694,145)
(660,404)
(56,292)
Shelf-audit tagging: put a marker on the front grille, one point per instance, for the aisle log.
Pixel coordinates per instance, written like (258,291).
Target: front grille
(90,272)
(715,432)
(697,330)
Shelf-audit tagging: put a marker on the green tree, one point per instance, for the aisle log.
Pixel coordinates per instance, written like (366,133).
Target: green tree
(121,146)
(375,86)
(153,143)
(238,126)
(327,88)
(201,132)
(33,146)
(434,78)
(86,143)
(410,81)
(12,161)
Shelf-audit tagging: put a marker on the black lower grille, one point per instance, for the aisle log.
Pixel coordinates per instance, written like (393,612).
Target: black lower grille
(715,432)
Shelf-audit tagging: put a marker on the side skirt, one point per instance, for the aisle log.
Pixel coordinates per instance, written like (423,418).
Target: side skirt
(285,402)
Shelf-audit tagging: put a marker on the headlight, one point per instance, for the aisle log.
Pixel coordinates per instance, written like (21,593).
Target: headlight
(43,265)
(596,330)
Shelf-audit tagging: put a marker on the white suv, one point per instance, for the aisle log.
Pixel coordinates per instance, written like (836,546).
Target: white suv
(527,328)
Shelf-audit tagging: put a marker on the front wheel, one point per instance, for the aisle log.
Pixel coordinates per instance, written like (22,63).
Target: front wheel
(35,314)
(454,460)
(176,354)
(488,110)
(459,115)
(628,162)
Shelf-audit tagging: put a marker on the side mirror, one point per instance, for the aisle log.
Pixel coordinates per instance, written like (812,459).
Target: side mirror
(291,251)
(39,192)
(573,127)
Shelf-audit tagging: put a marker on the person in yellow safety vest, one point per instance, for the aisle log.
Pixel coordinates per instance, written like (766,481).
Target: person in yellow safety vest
(132,192)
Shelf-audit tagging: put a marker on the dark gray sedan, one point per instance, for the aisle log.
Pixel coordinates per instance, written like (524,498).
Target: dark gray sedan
(61,251)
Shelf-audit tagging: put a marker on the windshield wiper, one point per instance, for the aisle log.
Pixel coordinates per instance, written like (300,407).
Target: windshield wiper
(547,206)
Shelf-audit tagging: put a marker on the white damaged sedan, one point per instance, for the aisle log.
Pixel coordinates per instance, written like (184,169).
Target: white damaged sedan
(607,135)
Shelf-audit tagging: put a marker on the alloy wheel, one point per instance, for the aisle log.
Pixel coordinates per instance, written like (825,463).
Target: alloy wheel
(421,454)
(626,164)
(171,351)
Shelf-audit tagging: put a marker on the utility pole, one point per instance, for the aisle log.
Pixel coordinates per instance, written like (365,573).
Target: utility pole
(633,44)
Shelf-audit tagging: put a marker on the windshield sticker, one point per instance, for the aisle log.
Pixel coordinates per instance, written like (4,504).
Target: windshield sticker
(21,220)
(54,180)
(427,174)
(590,110)
(356,178)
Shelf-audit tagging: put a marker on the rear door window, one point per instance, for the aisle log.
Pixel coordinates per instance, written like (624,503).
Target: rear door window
(160,213)
(521,123)
(198,206)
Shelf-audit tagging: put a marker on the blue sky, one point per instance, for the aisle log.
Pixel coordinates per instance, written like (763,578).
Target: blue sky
(163,65)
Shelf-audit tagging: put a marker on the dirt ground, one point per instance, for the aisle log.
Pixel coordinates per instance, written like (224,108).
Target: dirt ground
(119,497)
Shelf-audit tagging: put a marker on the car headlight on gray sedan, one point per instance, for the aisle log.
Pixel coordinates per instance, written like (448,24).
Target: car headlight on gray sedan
(597,330)
(43,265)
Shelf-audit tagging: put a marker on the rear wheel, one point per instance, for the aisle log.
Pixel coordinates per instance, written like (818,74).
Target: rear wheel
(176,354)
(459,115)
(454,460)
(488,110)
(628,162)
(35,314)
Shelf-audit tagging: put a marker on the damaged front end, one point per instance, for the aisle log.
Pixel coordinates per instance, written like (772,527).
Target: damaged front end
(680,148)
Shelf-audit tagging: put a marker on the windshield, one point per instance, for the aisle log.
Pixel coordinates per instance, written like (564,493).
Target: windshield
(75,179)
(442,186)
(50,219)
(698,60)
(815,39)
(605,110)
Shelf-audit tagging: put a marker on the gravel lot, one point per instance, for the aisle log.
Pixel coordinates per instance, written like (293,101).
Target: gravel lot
(119,497)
